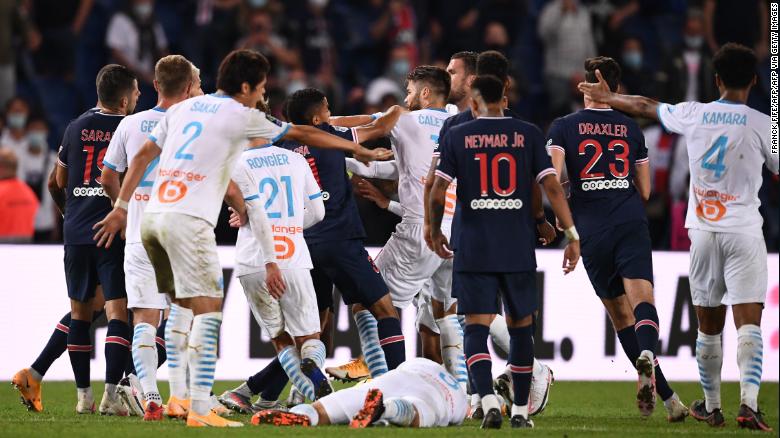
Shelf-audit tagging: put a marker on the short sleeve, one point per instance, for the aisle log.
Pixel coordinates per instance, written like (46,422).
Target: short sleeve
(447,168)
(116,154)
(160,132)
(258,125)
(445,127)
(677,118)
(243,180)
(555,138)
(62,153)
(159,33)
(542,166)
(642,156)
(311,186)
(119,29)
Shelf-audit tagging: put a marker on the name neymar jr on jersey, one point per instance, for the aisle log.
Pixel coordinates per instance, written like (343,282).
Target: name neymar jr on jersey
(484,141)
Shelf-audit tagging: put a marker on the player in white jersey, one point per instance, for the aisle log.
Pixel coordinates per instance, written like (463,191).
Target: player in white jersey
(293,202)
(176,79)
(419,393)
(406,263)
(727,148)
(198,142)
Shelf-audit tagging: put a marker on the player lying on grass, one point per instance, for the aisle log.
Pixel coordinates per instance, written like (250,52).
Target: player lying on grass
(419,393)
(609,174)
(727,148)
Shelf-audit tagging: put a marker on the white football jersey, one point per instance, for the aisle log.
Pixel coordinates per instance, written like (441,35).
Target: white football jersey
(131,133)
(201,139)
(284,183)
(414,139)
(431,383)
(728,144)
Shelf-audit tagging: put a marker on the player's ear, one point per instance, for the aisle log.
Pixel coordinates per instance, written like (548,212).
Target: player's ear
(156,86)
(245,88)
(754,81)
(470,80)
(718,82)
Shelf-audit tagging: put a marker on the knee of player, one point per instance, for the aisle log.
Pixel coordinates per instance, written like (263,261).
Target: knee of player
(383,308)
(322,413)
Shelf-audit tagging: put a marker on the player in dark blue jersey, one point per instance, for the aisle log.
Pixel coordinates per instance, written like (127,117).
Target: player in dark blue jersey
(79,166)
(609,174)
(493,63)
(497,160)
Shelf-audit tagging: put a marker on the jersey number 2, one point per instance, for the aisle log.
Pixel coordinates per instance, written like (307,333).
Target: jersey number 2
(180,155)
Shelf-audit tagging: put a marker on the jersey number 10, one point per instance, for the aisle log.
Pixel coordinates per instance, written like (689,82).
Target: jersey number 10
(495,167)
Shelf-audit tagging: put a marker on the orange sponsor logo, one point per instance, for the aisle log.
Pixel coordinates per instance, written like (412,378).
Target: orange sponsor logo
(171,191)
(711,209)
(284,247)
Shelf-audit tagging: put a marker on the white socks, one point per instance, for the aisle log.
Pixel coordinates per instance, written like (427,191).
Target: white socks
(314,349)
(709,355)
(369,343)
(399,411)
(750,356)
(291,363)
(520,410)
(500,333)
(307,410)
(177,332)
(203,359)
(452,349)
(489,402)
(145,358)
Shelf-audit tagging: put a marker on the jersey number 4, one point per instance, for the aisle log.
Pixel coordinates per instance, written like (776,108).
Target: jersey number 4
(622,157)
(718,149)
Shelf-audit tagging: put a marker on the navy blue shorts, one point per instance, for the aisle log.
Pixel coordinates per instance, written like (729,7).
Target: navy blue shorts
(478,292)
(622,251)
(347,265)
(86,266)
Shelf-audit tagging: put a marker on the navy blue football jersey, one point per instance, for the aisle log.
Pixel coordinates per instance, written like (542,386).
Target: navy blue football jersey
(81,153)
(602,146)
(496,161)
(342,220)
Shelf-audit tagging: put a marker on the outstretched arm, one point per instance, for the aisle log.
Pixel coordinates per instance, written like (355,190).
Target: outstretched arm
(315,137)
(381,127)
(635,105)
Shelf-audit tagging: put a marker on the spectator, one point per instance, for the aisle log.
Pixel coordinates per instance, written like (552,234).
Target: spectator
(686,74)
(13,25)
(636,77)
(312,36)
(565,31)
(739,21)
(14,135)
(137,40)
(18,204)
(57,24)
(263,39)
(35,165)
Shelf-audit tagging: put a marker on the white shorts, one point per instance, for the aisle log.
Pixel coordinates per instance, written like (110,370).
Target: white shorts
(406,264)
(296,312)
(183,251)
(140,282)
(727,268)
(425,308)
(433,410)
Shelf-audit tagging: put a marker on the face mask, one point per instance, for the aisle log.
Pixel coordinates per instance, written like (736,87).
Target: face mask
(37,138)
(258,3)
(143,10)
(400,67)
(319,3)
(294,86)
(16,120)
(633,59)
(694,42)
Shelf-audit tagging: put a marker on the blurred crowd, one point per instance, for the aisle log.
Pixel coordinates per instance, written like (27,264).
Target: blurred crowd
(359,52)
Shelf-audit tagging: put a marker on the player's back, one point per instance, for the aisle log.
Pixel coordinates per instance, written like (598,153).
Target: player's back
(495,160)
(130,135)
(81,153)
(414,139)
(342,220)
(201,139)
(602,148)
(280,177)
(728,144)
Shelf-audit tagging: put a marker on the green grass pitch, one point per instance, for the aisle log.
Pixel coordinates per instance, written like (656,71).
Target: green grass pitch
(576,409)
